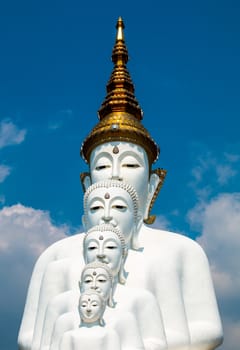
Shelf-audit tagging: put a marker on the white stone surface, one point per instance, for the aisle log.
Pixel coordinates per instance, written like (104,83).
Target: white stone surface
(171,267)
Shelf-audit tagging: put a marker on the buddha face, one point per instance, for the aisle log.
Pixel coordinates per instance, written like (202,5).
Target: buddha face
(120,161)
(110,206)
(105,247)
(124,161)
(96,279)
(91,307)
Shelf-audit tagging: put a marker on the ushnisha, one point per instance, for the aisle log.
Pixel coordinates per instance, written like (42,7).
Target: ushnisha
(116,203)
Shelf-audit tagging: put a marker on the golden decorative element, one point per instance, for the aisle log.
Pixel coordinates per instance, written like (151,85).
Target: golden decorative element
(161,174)
(120,114)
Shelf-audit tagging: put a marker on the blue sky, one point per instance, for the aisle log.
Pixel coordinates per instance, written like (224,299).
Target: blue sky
(54,66)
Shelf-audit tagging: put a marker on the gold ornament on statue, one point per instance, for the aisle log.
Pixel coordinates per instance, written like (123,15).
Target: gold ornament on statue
(120,114)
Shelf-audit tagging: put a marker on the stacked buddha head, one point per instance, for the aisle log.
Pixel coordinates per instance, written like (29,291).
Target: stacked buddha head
(121,189)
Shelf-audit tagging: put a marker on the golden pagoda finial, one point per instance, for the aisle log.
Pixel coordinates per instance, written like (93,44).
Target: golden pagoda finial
(120,89)
(120,114)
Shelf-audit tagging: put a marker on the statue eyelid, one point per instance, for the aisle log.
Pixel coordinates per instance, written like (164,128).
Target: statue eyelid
(96,207)
(92,247)
(119,207)
(131,165)
(101,167)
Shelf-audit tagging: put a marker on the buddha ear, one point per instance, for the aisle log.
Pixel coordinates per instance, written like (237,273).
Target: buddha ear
(80,286)
(155,183)
(134,241)
(111,302)
(101,322)
(84,222)
(85,180)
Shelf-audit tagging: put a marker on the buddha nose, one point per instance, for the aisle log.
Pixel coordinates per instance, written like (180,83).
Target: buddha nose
(100,254)
(106,215)
(115,171)
(94,284)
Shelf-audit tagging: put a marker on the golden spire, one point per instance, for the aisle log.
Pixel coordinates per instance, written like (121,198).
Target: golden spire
(120,114)
(120,89)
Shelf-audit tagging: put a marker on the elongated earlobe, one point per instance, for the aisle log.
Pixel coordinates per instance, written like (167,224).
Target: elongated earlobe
(135,245)
(111,302)
(84,222)
(85,179)
(101,322)
(80,286)
(155,183)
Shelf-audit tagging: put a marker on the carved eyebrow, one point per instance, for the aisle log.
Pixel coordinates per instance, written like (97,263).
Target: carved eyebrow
(102,277)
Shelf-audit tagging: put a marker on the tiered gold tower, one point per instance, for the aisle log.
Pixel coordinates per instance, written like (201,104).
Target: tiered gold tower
(120,114)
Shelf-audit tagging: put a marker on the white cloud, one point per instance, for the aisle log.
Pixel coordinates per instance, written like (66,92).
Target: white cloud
(211,172)
(231,157)
(2,199)
(4,172)
(24,234)
(219,221)
(10,134)
(62,116)
(224,173)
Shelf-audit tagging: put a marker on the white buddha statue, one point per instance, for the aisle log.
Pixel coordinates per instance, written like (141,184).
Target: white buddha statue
(90,334)
(91,309)
(172,267)
(99,277)
(116,203)
(133,306)
(107,244)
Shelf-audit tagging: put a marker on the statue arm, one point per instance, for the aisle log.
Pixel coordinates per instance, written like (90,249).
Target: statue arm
(200,301)
(152,331)
(31,306)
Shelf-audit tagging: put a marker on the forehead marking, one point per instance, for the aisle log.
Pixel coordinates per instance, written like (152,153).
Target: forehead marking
(107,195)
(94,273)
(100,238)
(115,149)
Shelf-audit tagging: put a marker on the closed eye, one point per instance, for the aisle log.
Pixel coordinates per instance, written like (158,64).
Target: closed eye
(96,207)
(119,207)
(102,280)
(101,167)
(111,247)
(130,165)
(87,280)
(91,248)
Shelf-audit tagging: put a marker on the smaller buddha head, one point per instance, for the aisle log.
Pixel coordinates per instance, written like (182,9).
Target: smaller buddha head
(106,244)
(91,308)
(116,203)
(98,277)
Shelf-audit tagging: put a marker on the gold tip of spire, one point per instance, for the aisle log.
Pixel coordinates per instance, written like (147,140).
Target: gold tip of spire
(120,26)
